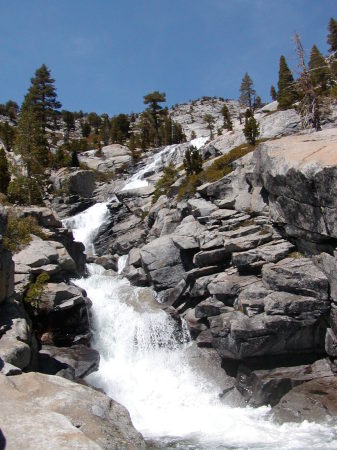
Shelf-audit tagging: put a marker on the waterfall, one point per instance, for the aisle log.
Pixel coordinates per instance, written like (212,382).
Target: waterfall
(157,162)
(150,365)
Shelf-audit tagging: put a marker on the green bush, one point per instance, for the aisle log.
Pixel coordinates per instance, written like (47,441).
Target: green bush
(25,191)
(19,231)
(35,290)
(218,169)
(163,184)
(103,177)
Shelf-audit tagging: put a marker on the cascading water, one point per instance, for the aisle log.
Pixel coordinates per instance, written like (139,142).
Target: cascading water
(157,162)
(153,368)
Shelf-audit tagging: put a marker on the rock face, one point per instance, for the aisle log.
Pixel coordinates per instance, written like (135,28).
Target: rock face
(52,412)
(300,175)
(59,314)
(80,182)
(113,157)
(250,263)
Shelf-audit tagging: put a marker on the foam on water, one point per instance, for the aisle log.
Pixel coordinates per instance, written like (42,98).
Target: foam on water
(86,224)
(151,366)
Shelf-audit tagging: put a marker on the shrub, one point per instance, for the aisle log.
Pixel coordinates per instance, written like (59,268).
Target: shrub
(218,169)
(18,232)
(163,184)
(192,161)
(25,191)
(103,177)
(35,290)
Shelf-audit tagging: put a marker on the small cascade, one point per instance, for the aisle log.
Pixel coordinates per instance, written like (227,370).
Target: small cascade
(151,366)
(156,162)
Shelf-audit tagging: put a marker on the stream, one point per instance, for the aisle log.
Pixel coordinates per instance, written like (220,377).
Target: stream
(159,374)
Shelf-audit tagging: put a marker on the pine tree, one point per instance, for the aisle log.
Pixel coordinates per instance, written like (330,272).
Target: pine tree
(247,91)
(319,71)
(85,129)
(209,119)
(227,122)
(309,105)
(4,172)
(273,93)
(257,103)
(332,36)
(153,99)
(286,89)
(192,161)
(105,129)
(30,143)
(7,135)
(119,128)
(251,129)
(69,120)
(42,97)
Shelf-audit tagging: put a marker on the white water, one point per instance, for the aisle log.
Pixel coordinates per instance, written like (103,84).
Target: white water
(153,369)
(86,224)
(157,162)
(156,376)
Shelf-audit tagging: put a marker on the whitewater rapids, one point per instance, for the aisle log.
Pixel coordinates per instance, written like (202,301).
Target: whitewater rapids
(154,369)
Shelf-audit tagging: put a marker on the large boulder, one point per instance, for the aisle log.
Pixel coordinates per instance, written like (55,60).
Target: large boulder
(70,181)
(315,400)
(112,157)
(298,276)
(61,315)
(45,256)
(300,175)
(162,263)
(45,411)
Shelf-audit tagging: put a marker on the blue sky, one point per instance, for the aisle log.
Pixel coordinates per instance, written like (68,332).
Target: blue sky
(105,55)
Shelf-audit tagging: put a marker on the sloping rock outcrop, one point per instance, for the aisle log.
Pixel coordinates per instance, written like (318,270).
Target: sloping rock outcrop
(300,175)
(250,263)
(43,411)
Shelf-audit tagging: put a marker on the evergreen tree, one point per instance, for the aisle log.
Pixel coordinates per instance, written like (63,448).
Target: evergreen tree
(12,109)
(332,36)
(319,71)
(94,121)
(273,93)
(30,143)
(251,129)
(257,103)
(227,122)
(192,161)
(178,134)
(74,159)
(146,130)
(209,119)
(286,89)
(42,97)
(4,172)
(120,128)
(85,129)
(247,91)
(7,135)
(69,120)
(105,129)
(193,135)
(153,99)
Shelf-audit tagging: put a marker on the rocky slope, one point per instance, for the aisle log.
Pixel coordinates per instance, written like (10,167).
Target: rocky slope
(250,264)
(50,333)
